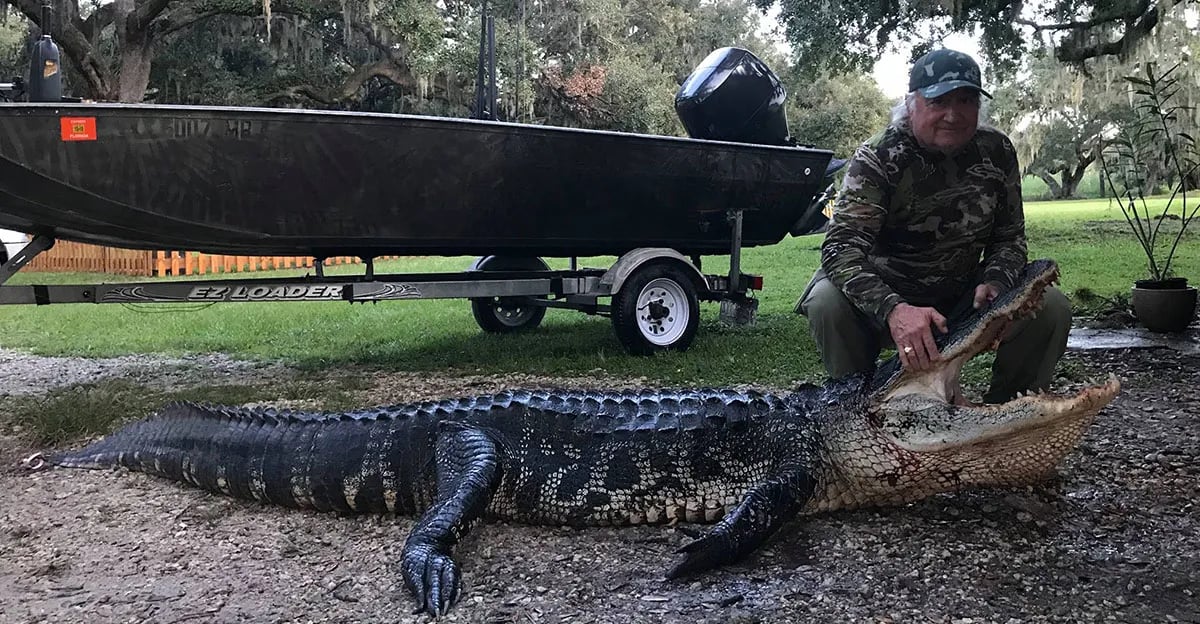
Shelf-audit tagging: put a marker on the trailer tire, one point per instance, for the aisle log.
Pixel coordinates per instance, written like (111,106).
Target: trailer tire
(504,315)
(656,310)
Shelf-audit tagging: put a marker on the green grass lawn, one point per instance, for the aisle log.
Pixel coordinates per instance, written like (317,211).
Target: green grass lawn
(1088,238)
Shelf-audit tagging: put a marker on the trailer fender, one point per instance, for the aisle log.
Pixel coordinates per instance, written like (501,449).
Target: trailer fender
(626,265)
(509,263)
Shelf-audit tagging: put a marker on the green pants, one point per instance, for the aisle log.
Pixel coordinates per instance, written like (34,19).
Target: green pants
(850,341)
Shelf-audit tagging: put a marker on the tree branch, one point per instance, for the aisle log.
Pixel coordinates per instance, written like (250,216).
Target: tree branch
(1088,38)
(179,19)
(95,23)
(382,41)
(1133,12)
(185,14)
(301,91)
(74,14)
(383,69)
(1072,52)
(145,13)
(353,83)
(348,88)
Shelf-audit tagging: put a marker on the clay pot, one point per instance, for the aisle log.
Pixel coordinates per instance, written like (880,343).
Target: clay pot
(1164,305)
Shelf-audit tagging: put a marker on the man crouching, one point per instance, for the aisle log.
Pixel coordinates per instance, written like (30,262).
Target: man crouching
(929,225)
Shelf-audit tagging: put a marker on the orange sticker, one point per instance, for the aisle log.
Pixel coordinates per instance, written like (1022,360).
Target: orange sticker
(78,128)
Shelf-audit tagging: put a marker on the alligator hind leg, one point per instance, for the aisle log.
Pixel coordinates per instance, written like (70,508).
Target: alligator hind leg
(762,511)
(467,473)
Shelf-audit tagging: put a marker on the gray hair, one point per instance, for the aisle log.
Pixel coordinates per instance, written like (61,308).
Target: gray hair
(900,111)
(903,109)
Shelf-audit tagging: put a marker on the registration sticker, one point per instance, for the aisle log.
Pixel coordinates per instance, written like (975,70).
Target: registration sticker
(78,128)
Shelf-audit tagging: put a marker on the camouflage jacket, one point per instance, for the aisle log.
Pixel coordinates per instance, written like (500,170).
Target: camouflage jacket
(921,227)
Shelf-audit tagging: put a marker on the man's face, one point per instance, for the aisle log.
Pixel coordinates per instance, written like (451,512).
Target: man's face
(945,123)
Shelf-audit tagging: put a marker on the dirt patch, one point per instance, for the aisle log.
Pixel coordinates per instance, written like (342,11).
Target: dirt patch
(1115,538)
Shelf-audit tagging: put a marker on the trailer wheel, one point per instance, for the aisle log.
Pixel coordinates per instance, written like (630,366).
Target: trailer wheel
(656,310)
(503,315)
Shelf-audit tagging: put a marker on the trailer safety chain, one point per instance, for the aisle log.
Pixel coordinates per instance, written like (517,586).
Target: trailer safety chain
(37,461)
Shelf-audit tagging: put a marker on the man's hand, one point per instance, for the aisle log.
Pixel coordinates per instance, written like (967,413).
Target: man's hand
(910,327)
(984,294)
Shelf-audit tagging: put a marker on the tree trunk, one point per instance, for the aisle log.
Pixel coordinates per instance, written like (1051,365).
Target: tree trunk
(1072,177)
(1048,178)
(134,74)
(134,45)
(1193,180)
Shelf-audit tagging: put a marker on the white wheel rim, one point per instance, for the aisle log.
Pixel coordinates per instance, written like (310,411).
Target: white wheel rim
(662,312)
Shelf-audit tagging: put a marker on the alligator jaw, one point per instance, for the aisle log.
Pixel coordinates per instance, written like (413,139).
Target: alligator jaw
(938,427)
(941,447)
(941,380)
(933,441)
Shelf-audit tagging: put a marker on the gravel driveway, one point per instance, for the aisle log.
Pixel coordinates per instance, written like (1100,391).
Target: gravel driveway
(1115,538)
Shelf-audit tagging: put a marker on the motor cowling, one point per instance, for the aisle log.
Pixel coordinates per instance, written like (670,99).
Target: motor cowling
(733,96)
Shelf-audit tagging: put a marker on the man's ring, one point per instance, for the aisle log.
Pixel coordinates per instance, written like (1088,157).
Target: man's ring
(908,349)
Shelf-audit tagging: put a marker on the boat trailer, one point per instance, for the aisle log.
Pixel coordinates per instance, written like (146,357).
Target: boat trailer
(652,295)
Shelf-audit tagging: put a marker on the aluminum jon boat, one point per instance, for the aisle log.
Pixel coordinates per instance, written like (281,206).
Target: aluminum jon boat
(299,182)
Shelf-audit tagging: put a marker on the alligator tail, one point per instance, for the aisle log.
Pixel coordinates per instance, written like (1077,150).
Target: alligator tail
(355,462)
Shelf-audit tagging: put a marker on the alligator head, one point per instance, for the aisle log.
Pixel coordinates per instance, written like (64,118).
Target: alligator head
(921,436)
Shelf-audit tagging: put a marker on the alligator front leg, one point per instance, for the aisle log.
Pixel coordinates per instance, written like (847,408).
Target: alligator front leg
(762,511)
(467,473)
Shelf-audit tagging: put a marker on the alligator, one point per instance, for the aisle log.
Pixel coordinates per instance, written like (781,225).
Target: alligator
(745,460)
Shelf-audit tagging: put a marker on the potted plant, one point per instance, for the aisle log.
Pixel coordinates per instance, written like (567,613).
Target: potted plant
(1153,149)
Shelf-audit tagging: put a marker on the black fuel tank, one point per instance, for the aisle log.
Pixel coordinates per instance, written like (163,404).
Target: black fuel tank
(733,96)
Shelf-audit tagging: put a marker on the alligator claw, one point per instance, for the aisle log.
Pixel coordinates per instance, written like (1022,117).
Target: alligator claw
(434,580)
(703,554)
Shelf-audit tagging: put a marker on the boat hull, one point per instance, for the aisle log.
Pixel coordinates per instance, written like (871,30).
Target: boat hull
(290,182)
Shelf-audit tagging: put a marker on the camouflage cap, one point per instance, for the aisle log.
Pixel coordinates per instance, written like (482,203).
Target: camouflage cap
(943,71)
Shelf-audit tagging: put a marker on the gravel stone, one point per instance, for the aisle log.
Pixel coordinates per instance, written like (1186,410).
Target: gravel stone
(1114,536)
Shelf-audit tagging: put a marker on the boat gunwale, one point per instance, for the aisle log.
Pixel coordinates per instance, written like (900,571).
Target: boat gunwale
(312,116)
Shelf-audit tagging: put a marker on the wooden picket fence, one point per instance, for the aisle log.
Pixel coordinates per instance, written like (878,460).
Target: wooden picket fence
(72,257)
(196,263)
(68,256)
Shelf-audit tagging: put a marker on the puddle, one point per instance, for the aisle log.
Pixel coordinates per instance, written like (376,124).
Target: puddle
(1134,338)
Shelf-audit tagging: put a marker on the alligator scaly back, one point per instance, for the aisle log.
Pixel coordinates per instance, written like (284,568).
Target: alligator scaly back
(548,457)
(588,444)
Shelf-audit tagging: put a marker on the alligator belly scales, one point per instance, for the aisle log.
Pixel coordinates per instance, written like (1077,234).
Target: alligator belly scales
(745,461)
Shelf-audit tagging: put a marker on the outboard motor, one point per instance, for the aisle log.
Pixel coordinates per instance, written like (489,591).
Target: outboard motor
(45,72)
(45,66)
(733,96)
